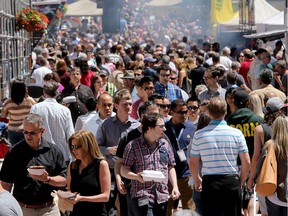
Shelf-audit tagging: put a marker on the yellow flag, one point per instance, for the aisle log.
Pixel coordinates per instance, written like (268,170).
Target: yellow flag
(221,11)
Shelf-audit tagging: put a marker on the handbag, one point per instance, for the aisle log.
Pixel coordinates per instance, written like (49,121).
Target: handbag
(266,183)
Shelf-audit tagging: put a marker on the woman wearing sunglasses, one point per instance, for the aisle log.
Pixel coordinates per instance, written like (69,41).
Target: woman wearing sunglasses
(88,176)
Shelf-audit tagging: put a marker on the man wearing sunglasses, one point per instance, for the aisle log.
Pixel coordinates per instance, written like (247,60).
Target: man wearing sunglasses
(164,87)
(180,132)
(33,192)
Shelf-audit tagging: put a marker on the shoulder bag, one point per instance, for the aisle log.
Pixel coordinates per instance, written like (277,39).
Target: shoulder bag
(266,183)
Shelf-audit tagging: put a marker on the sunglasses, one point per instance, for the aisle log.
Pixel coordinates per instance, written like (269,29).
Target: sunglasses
(149,88)
(173,78)
(181,112)
(73,147)
(32,133)
(192,107)
(164,106)
(165,75)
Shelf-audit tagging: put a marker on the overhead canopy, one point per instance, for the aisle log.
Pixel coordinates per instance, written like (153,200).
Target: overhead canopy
(84,8)
(263,11)
(274,23)
(267,36)
(163,3)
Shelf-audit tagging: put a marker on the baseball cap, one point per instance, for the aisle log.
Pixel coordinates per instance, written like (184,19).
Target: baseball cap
(129,74)
(103,73)
(273,104)
(240,98)
(149,59)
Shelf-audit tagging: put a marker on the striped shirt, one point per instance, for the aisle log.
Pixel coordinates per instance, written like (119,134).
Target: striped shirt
(218,145)
(17,113)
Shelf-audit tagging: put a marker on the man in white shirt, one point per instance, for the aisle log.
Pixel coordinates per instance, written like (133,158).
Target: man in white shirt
(56,117)
(39,73)
(92,121)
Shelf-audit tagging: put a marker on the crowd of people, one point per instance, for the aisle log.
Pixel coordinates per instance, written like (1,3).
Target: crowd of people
(114,106)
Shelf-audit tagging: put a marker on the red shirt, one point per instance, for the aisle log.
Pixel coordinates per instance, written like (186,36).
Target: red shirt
(245,66)
(86,78)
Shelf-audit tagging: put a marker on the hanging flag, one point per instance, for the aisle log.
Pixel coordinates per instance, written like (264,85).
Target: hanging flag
(221,11)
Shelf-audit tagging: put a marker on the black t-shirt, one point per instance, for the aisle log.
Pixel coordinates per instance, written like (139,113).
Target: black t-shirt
(14,170)
(133,134)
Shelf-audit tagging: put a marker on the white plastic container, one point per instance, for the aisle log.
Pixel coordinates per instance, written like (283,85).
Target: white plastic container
(152,175)
(36,171)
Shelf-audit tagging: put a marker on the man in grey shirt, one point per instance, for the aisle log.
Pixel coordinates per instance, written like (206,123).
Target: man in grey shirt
(211,78)
(111,131)
(9,205)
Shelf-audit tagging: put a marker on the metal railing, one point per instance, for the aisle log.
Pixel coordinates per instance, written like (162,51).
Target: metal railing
(15,46)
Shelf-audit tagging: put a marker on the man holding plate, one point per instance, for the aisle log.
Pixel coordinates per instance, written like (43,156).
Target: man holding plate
(150,152)
(35,168)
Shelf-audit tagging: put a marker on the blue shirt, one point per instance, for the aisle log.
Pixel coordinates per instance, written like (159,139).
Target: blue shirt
(180,139)
(218,145)
(170,91)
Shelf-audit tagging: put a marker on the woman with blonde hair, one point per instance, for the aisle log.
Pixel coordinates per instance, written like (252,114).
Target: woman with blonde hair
(277,204)
(88,176)
(255,105)
(262,133)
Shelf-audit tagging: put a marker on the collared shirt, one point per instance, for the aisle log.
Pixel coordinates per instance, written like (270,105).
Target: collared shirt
(218,145)
(139,156)
(82,94)
(57,123)
(207,95)
(109,134)
(90,121)
(22,156)
(171,91)
(180,138)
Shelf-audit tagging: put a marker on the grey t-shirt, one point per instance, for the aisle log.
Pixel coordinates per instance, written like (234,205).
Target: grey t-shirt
(9,205)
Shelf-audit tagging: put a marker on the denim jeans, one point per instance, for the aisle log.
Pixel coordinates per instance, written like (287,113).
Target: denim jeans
(148,210)
(275,210)
(15,137)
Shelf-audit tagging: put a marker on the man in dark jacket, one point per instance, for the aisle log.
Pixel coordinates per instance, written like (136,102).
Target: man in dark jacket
(244,119)
(196,74)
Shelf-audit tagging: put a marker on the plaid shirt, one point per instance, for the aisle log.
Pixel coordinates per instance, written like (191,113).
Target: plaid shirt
(171,91)
(141,156)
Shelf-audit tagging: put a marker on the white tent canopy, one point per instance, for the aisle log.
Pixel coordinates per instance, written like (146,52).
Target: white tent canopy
(163,3)
(274,23)
(83,8)
(263,11)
